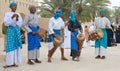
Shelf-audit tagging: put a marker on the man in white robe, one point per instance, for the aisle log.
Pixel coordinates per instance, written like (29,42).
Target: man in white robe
(13,21)
(102,23)
(55,25)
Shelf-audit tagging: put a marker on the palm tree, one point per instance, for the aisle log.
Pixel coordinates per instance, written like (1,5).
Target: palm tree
(116,15)
(86,9)
(48,8)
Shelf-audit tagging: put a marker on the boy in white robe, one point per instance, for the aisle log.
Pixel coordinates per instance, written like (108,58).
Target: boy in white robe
(13,21)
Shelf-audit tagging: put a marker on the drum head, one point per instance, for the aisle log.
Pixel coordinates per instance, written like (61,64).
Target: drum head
(42,32)
(58,41)
(80,37)
(100,33)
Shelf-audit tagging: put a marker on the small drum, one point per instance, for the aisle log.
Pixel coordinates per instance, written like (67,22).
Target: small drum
(4,29)
(80,37)
(96,35)
(42,32)
(58,41)
(22,15)
(116,26)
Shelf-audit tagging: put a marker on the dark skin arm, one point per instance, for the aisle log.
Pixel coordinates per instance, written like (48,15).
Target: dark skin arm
(15,15)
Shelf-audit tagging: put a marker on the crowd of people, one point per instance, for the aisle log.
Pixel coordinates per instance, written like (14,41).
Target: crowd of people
(72,28)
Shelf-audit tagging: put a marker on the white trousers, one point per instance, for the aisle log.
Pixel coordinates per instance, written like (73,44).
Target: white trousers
(100,51)
(33,54)
(92,43)
(13,57)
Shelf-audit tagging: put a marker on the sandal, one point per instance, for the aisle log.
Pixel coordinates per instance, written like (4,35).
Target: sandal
(37,61)
(30,62)
(15,65)
(6,66)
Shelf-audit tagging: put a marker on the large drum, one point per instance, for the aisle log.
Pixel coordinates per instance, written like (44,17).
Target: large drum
(42,32)
(58,40)
(97,34)
(80,37)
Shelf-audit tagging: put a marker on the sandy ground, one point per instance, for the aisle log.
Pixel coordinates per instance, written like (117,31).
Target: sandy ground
(87,61)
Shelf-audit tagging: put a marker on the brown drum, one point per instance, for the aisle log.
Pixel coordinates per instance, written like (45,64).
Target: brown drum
(80,37)
(96,35)
(42,32)
(4,29)
(58,40)
(22,15)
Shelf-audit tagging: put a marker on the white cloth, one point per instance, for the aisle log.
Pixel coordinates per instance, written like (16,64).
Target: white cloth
(84,42)
(92,43)
(56,24)
(91,29)
(100,51)
(30,20)
(33,54)
(8,21)
(13,57)
(101,22)
(67,38)
(50,45)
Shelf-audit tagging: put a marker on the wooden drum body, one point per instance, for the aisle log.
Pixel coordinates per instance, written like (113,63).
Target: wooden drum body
(96,35)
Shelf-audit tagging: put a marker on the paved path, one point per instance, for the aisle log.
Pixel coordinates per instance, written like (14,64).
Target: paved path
(87,61)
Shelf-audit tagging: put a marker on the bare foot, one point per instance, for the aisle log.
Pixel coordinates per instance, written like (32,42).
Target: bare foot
(49,60)
(64,58)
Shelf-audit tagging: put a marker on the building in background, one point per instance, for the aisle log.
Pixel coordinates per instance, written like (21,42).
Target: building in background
(21,8)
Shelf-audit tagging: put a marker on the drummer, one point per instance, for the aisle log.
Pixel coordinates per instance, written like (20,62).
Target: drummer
(75,27)
(55,25)
(102,23)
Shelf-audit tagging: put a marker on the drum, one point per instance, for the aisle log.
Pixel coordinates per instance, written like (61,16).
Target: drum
(57,40)
(80,37)
(96,35)
(42,32)
(22,15)
(4,29)
(116,26)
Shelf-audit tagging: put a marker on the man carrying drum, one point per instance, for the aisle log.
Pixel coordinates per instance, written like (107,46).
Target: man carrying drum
(101,23)
(74,26)
(55,26)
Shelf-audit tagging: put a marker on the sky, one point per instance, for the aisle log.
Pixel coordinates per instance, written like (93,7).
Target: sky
(113,3)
